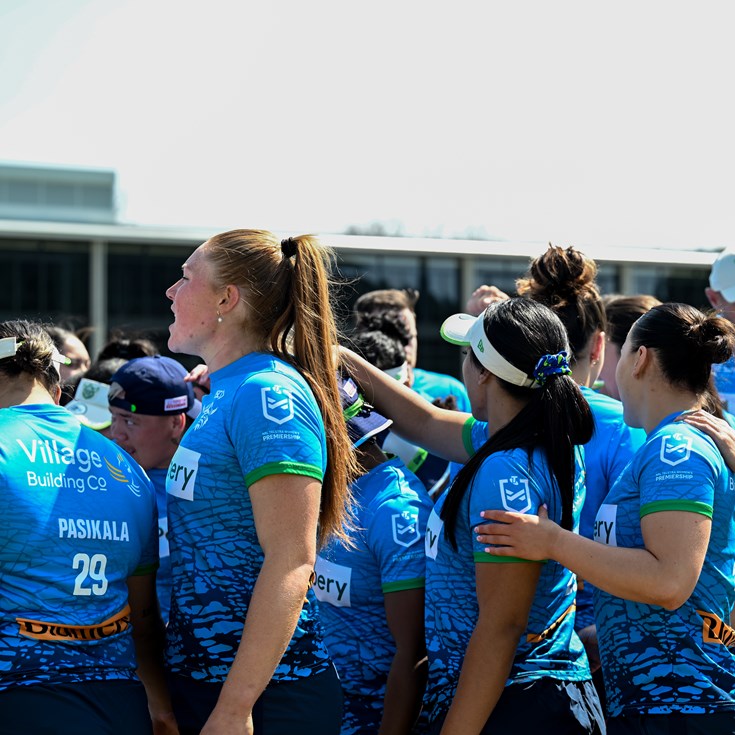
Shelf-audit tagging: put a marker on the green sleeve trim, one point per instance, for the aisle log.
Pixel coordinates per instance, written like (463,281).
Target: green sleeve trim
(145,569)
(467,435)
(404,584)
(483,557)
(284,468)
(692,506)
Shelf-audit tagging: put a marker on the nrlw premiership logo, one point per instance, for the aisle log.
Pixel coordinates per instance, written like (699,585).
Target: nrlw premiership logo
(277,404)
(675,449)
(406,528)
(515,494)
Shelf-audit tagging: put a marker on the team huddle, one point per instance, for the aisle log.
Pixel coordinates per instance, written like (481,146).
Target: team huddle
(309,534)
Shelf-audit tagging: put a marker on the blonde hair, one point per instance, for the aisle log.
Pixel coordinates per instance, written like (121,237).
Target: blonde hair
(286,285)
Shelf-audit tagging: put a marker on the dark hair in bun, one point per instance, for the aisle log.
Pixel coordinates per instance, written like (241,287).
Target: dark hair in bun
(687,343)
(564,280)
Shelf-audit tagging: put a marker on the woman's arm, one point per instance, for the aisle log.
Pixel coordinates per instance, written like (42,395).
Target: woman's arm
(663,573)
(404,690)
(278,596)
(438,430)
(148,639)
(501,622)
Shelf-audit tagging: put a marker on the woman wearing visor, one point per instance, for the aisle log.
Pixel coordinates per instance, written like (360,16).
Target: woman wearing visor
(503,654)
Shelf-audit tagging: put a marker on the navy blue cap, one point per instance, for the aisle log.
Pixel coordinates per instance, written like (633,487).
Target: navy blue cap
(363,421)
(153,386)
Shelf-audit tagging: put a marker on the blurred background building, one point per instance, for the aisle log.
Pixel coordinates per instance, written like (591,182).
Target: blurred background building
(65,258)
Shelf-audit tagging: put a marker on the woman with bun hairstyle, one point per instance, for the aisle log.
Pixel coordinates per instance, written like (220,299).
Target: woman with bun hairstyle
(80,627)
(664,548)
(564,280)
(268,451)
(621,312)
(503,654)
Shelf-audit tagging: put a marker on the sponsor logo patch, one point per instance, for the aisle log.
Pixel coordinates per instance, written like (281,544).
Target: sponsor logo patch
(332,582)
(44,631)
(433,530)
(605,524)
(175,404)
(182,472)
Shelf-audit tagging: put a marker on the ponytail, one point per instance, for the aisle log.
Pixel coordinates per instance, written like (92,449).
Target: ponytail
(286,285)
(555,417)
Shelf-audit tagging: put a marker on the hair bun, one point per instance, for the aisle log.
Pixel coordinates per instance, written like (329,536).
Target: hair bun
(559,276)
(714,336)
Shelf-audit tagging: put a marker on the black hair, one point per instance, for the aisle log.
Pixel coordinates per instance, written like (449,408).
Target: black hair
(621,312)
(556,416)
(103,370)
(127,348)
(687,343)
(378,348)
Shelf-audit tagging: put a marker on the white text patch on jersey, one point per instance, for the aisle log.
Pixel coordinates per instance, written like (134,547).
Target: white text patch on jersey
(332,582)
(605,524)
(182,473)
(433,528)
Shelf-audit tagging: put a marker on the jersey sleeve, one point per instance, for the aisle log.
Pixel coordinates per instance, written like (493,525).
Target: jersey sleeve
(679,471)
(276,428)
(395,536)
(474,434)
(501,484)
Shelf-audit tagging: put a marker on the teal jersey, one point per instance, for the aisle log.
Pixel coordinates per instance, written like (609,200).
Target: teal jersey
(606,455)
(77,519)
(660,661)
(516,480)
(391,510)
(163,577)
(260,419)
(433,385)
(724,375)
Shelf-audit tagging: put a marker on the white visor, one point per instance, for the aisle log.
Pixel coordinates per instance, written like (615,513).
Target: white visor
(469,331)
(8,347)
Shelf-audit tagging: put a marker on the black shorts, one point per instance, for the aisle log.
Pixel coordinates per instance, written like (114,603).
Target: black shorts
(544,706)
(309,706)
(115,707)
(718,723)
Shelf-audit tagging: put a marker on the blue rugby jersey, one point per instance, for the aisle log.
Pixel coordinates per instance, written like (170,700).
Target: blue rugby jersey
(724,375)
(658,661)
(606,455)
(77,518)
(391,510)
(163,577)
(510,480)
(433,385)
(260,419)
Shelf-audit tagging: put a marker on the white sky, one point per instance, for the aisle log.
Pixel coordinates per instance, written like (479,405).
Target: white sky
(576,122)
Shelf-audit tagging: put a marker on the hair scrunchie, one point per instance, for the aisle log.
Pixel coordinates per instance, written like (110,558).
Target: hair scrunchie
(288,247)
(551,365)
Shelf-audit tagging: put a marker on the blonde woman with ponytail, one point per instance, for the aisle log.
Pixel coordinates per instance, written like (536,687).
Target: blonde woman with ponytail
(269,451)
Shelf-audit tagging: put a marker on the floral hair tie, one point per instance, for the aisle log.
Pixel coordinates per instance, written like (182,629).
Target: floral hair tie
(551,365)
